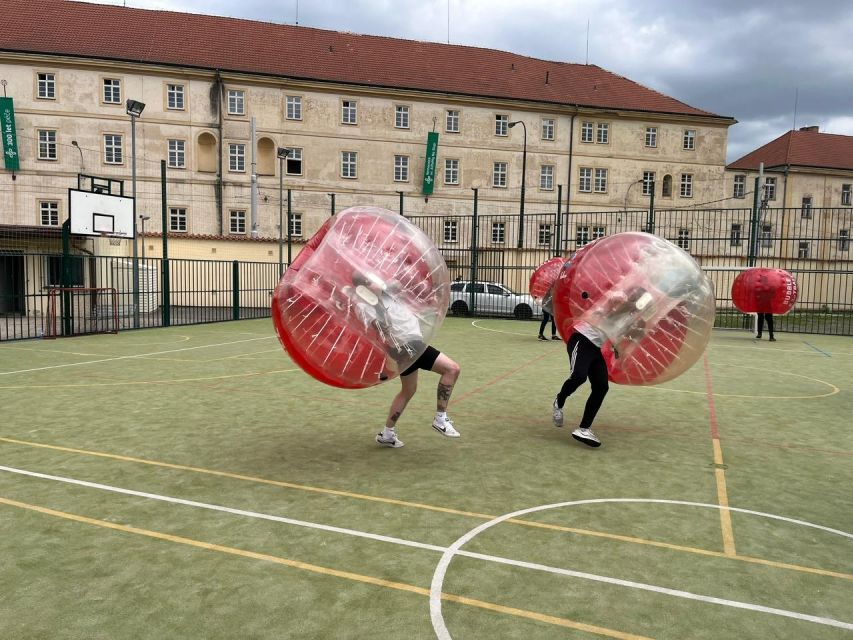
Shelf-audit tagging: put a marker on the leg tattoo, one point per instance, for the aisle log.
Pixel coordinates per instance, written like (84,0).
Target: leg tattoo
(444,391)
(395,416)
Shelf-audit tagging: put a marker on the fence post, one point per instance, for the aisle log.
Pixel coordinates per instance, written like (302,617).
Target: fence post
(650,222)
(332,196)
(65,278)
(752,256)
(235,290)
(401,202)
(475,225)
(167,292)
(558,245)
(289,230)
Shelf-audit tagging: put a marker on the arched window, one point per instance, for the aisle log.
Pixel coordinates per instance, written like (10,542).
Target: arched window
(206,153)
(266,157)
(666,189)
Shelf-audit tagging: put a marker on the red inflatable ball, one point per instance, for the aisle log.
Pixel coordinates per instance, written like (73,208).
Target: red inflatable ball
(544,277)
(362,300)
(761,290)
(647,300)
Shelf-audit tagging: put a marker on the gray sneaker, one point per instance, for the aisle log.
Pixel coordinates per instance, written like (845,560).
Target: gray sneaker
(558,414)
(586,436)
(393,441)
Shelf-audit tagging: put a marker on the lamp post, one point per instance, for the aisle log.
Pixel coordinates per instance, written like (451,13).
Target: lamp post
(134,110)
(523,175)
(282,154)
(82,165)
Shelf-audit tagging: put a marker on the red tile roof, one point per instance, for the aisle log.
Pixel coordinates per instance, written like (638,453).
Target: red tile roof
(110,32)
(801,149)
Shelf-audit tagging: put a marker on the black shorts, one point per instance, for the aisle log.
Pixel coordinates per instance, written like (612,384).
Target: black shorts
(425,361)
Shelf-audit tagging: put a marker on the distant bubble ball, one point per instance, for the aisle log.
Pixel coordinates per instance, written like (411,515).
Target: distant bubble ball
(762,290)
(544,278)
(648,298)
(362,300)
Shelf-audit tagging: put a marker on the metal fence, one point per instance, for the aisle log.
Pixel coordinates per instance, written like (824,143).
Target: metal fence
(490,257)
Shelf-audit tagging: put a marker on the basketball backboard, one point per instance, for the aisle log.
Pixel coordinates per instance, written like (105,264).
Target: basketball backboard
(100,214)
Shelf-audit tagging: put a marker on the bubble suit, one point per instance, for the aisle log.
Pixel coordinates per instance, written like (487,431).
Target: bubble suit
(760,290)
(362,299)
(650,300)
(544,277)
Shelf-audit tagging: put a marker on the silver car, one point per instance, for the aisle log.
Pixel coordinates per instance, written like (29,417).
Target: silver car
(491,299)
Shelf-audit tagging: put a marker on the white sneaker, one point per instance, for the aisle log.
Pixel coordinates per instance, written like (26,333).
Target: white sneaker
(445,427)
(558,414)
(586,436)
(393,441)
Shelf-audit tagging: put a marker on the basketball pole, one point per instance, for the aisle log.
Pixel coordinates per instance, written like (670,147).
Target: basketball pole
(135,249)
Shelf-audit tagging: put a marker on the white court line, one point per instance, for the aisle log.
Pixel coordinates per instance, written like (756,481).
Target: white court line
(512,333)
(454,549)
(139,355)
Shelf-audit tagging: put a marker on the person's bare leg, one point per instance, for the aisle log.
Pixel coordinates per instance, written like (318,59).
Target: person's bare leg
(449,371)
(408,387)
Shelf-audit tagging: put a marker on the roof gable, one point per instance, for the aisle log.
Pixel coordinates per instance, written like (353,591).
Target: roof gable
(801,149)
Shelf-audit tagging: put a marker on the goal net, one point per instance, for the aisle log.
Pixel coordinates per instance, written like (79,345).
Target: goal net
(76,311)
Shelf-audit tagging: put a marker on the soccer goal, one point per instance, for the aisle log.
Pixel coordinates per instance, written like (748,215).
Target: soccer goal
(77,311)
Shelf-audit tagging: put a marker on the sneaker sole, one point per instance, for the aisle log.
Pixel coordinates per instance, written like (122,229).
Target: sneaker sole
(392,445)
(586,441)
(445,434)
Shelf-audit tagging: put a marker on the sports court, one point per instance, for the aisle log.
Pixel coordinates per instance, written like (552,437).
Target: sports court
(192,482)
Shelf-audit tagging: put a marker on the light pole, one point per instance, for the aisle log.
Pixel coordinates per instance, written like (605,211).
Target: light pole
(523,175)
(82,165)
(134,110)
(282,154)
(142,219)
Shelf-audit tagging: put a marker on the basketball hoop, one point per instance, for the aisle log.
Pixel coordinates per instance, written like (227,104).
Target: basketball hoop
(114,240)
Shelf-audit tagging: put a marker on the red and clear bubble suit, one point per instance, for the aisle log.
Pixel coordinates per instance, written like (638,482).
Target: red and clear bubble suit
(362,300)
(544,278)
(760,290)
(650,300)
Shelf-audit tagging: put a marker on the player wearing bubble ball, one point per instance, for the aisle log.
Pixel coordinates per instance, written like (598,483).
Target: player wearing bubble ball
(399,329)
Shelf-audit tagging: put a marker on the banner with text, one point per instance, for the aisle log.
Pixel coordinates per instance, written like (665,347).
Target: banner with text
(10,139)
(429,164)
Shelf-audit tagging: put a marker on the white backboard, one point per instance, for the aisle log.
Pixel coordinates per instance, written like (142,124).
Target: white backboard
(95,214)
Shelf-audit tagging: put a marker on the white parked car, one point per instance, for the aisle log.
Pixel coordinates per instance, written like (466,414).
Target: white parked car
(492,299)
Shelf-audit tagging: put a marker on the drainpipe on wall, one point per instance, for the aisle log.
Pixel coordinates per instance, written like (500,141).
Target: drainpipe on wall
(219,89)
(569,178)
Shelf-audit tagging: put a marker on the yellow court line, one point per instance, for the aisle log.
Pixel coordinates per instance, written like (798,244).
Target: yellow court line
(328,571)
(428,507)
(723,501)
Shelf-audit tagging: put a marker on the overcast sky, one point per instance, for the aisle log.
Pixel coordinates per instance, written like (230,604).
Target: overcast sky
(772,65)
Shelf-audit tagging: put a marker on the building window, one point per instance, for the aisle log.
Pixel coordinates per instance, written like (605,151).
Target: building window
(47,144)
(651,136)
(178,219)
(806,208)
(844,239)
(113,149)
(769,189)
(501,125)
(451,171)
(293,110)
(804,249)
(585,180)
(740,187)
(734,235)
(689,139)
(46,86)
(602,133)
(451,231)
(293,162)
(349,112)
(401,117)
(666,187)
(766,236)
(846,198)
(581,236)
(349,164)
(684,239)
(648,182)
(499,174)
(112,91)
(686,185)
(236,102)
(401,168)
(601,180)
(598,232)
(296,224)
(236,157)
(586,131)
(498,232)
(237,221)
(49,213)
(544,236)
(451,122)
(546,177)
(177,154)
(547,128)
(175,96)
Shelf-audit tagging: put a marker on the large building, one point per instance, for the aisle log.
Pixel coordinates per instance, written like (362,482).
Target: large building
(353,111)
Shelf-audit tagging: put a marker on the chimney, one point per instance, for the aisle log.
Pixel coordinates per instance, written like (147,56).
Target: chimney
(813,127)
(546,77)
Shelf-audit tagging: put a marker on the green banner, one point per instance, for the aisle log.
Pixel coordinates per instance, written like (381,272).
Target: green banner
(10,140)
(429,165)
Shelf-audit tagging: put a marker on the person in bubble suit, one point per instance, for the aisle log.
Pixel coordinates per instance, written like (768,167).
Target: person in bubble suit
(399,330)
(769,318)
(621,315)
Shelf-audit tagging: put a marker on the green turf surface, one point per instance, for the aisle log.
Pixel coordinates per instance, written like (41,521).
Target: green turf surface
(218,415)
